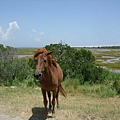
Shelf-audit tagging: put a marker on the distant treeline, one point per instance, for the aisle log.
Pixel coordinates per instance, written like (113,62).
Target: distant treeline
(100,47)
(110,47)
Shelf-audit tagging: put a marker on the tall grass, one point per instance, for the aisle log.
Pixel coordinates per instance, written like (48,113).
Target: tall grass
(109,88)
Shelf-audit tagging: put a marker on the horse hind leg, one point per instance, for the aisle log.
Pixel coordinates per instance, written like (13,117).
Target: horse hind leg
(57,100)
(53,101)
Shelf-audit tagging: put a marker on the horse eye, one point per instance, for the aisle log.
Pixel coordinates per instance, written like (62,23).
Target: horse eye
(35,59)
(44,61)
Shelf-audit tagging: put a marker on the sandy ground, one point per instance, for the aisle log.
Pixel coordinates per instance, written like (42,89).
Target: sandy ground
(7,117)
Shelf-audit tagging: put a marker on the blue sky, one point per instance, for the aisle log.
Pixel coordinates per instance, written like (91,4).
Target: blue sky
(36,23)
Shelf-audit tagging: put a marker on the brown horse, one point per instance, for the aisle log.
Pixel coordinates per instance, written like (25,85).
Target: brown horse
(50,75)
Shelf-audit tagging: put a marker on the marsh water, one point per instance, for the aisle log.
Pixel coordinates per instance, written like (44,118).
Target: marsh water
(23,56)
(108,59)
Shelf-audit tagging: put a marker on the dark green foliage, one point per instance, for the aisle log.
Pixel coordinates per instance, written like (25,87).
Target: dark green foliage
(116,86)
(31,63)
(6,61)
(110,47)
(13,70)
(77,63)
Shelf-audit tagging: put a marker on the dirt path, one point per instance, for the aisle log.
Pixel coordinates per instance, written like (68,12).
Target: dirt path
(7,117)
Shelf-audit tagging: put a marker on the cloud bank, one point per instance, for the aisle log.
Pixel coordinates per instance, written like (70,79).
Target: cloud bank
(9,34)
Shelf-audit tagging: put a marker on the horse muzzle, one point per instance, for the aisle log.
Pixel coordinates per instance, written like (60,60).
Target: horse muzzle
(38,76)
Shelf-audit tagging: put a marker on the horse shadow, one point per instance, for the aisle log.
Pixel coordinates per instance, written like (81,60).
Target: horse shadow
(38,113)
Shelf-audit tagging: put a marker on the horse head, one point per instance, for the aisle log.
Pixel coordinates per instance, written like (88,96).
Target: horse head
(41,62)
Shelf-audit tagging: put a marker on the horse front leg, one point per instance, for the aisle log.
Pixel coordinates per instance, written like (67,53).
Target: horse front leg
(45,100)
(49,97)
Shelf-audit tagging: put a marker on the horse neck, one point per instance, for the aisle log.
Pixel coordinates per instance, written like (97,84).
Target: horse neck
(48,69)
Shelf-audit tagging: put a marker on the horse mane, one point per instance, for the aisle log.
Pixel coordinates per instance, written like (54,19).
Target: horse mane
(40,51)
(54,63)
(43,50)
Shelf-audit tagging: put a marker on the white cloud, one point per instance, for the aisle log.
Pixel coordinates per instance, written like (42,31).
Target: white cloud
(9,34)
(33,30)
(41,33)
(37,35)
(37,39)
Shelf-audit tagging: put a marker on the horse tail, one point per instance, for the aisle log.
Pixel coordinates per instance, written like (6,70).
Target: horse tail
(62,91)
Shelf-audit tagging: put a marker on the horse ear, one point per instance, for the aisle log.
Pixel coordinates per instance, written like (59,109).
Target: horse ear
(49,52)
(35,51)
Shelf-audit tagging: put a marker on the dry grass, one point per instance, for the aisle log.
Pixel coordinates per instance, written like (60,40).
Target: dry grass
(26,103)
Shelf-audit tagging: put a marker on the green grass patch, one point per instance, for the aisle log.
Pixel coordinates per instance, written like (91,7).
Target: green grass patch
(111,52)
(25,51)
(115,65)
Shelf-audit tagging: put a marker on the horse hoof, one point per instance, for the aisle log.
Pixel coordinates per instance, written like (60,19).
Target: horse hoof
(53,115)
(58,106)
(53,111)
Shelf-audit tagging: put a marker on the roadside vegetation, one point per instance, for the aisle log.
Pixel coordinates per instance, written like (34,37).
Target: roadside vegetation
(81,71)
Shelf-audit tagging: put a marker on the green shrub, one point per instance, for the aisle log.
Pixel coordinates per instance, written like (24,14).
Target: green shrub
(79,64)
(116,86)
(12,70)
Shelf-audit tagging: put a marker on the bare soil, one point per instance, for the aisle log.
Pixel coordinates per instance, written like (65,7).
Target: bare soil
(7,117)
